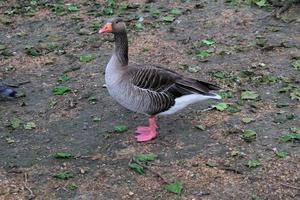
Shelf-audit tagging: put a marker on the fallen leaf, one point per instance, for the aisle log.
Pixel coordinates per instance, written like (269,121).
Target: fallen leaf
(253,163)
(15,123)
(176,11)
(145,157)
(211,164)
(289,137)
(249,95)
(29,125)
(73,7)
(60,90)
(168,18)
(249,135)
(63,155)
(203,54)
(248,120)
(63,77)
(281,154)
(221,106)
(87,57)
(200,127)
(208,42)
(296,64)
(72,186)
(96,119)
(137,168)
(295,94)
(121,128)
(175,187)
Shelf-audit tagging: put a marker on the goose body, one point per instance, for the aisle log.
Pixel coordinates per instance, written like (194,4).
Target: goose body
(149,89)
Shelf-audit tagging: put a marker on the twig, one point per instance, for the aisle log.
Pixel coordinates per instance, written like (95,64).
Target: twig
(207,109)
(290,186)
(31,195)
(151,170)
(23,82)
(231,169)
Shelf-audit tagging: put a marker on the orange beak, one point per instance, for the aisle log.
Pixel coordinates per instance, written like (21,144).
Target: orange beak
(107,28)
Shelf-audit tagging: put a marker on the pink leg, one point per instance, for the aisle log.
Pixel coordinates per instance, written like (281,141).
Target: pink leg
(146,133)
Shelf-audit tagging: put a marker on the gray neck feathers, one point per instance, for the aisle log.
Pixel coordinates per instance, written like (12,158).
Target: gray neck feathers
(121,47)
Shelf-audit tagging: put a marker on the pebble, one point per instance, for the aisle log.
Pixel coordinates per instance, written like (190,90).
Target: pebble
(130,193)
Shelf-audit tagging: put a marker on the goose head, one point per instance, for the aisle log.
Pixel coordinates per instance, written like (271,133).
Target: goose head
(115,25)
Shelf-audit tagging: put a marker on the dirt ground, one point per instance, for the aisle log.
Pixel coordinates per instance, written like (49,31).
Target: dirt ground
(42,42)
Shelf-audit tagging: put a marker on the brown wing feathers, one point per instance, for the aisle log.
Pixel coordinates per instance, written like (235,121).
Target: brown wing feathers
(158,80)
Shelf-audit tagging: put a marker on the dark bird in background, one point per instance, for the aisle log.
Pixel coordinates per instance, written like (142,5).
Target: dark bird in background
(6,90)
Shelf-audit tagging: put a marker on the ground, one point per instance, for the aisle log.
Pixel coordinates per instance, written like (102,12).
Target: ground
(235,44)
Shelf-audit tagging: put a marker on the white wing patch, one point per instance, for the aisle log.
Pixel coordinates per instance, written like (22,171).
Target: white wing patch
(186,100)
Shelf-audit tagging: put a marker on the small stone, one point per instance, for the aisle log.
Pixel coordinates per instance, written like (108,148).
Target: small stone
(130,193)
(82,171)
(84,31)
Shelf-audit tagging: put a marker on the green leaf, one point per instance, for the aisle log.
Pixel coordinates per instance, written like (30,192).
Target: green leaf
(139,26)
(225,94)
(63,155)
(281,154)
(72,186)
(208,42)
(249,135)
(218,74)
(248,120)
(29,125)
(289,137)
(145,157)
(168,18)
(260,41)
(92,99)
(204,54)
(296,64)
(73,7)
(155,13)
(21,34)
(32,51)
(15,123)
(233,108)
(175,187)
(137,168)
(176,11)
(63,77)
(121,128)
(96,119)
(109,8)
(253,163)
(6,52)
(249,95)
(87,57)
(295,130)
(221,106)
(200,127)
(60,90)
(108,11)
(211,164)
(295,94)
(63,175)
(261,3)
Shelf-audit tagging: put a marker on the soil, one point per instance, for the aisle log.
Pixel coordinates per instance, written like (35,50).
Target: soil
(252,46)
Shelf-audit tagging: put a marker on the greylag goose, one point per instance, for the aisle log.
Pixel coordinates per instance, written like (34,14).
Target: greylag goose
(6,91)
(148,89)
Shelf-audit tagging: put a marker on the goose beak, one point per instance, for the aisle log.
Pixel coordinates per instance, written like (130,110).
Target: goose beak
(107,28)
